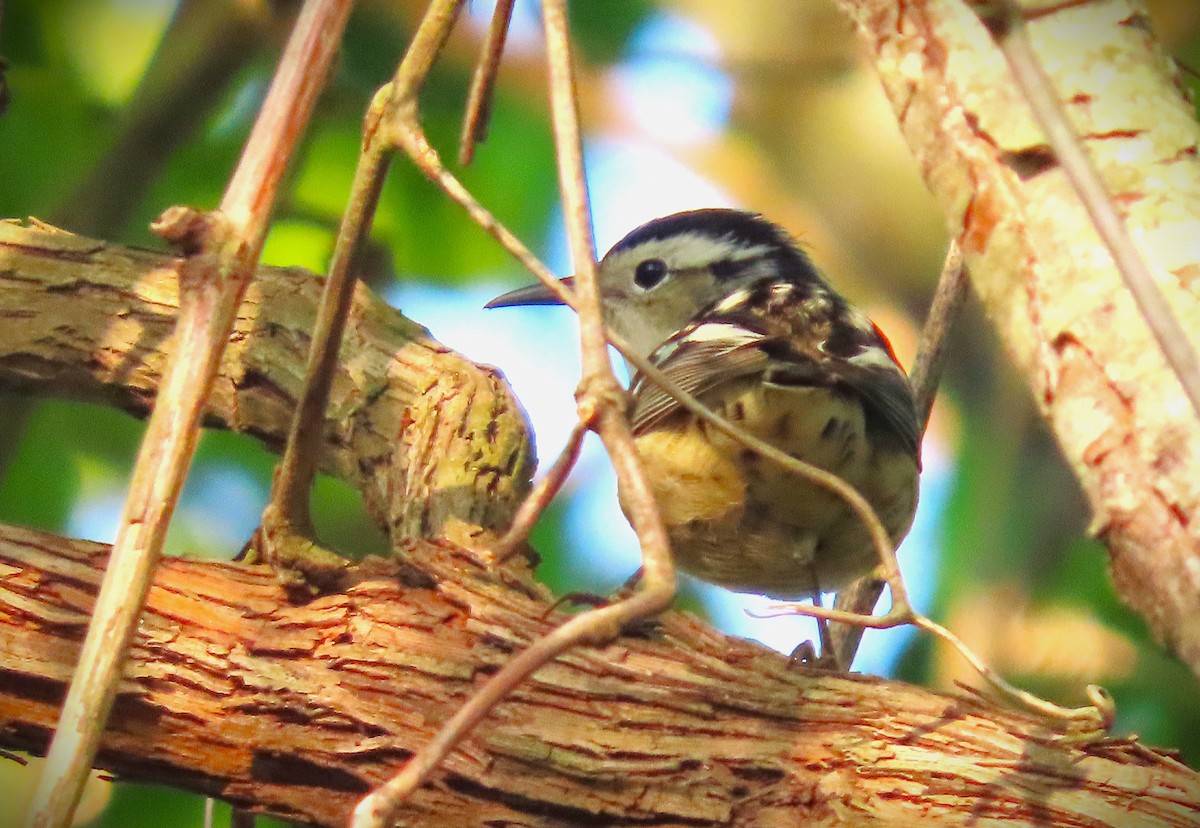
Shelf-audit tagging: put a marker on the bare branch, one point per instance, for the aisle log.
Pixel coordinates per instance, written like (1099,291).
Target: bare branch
(948,299)
(1008,26)
(232,691)
(1044,276)
(287,529)
(544,491)
(862,596)
(483,83)
(226,245)
(288,511)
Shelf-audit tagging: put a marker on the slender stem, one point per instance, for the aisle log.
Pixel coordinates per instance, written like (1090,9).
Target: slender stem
(483,83)
(862,595)
(302,73)
(1007,24)
(544,491)
(291,491)
(212,284)
(289,508)
(947,303)
(897,617)
(427,42)
(599,390)
(1098,715)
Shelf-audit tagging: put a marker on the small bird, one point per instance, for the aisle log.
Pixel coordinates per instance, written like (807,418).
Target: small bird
(727,305)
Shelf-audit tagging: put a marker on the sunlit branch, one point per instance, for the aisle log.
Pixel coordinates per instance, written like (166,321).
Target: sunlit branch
(483,83)
(223,247)
(1006,22)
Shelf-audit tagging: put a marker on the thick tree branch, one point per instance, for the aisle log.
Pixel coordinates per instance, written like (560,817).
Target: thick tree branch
(298,710)
(429,438)
(1041,271)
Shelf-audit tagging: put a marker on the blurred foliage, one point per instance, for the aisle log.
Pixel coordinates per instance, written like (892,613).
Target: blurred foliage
(1014,519)
(147,806)
(602,29)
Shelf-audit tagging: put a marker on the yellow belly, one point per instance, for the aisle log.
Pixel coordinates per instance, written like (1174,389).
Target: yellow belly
(743,522)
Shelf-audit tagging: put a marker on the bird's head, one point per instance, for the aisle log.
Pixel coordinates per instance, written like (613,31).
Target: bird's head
(662,275)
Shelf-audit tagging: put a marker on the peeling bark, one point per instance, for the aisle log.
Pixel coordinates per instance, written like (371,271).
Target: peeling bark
(1044,277)
(297,710)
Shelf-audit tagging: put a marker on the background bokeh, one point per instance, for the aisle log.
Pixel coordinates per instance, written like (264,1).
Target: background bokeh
(120,108)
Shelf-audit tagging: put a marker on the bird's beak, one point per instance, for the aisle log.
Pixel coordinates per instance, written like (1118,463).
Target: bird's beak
(535,294)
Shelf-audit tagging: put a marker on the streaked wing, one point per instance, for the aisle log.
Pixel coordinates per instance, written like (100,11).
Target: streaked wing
(888,396)
(790,333)
(885,392)
(697,359)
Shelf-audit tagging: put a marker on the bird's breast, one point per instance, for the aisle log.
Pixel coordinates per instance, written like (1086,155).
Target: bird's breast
(744,522)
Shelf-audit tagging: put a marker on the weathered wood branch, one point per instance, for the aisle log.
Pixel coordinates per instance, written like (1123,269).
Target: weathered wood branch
(298,710)
(427,436)
(1041,271)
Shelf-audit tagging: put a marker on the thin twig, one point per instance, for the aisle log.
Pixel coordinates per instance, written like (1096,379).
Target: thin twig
(1101,712)
(289,506)
(227,245)
(1098,715)
(543,492)
(599,391)
(947,302)
(601,404)
(862,595)
(288,512)
(1006,22)
(483,83)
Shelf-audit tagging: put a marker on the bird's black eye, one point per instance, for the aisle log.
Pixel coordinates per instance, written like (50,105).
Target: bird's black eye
(649,273)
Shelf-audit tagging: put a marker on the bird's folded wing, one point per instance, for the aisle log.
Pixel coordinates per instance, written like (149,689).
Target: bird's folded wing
(698,360)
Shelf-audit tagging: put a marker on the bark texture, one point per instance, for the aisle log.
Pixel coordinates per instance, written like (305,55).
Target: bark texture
(298,710)
(429,438)
(1045,278)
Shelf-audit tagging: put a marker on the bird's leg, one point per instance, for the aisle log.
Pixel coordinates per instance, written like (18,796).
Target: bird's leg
(805,653)
(828,658)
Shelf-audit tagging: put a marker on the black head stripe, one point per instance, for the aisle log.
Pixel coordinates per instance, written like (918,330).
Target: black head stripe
(724,269)
(742,228)
(748,229)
